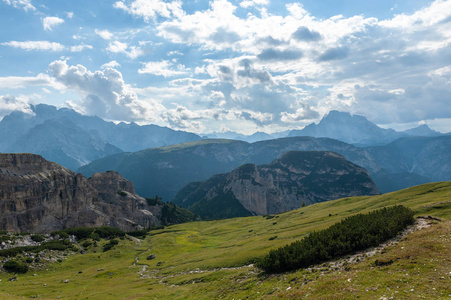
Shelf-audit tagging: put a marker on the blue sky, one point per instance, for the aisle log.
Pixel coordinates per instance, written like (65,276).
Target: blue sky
(243,65)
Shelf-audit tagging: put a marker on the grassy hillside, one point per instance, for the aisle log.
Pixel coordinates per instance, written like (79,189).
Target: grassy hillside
(210,259)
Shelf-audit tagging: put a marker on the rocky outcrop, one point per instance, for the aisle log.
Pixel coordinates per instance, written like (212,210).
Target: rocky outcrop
(41,196)
(297,177)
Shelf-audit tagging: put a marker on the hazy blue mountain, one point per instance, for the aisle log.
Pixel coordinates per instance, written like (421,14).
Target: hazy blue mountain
(62,141)
(72,140)
(56,139)
(429,157)
(164,171)
(297,178)
(255,137)
(422,130)
(353,129)
(128,137)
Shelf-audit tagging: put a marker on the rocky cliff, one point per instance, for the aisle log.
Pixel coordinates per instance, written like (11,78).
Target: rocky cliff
(41,196)
(297,177)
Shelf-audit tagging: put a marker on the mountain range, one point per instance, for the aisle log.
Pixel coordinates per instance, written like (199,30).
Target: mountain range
(352,129)
(72,140)
(357,130)
(164,171)
(297,179)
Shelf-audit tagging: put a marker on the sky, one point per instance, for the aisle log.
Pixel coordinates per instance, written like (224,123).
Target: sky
(230,65)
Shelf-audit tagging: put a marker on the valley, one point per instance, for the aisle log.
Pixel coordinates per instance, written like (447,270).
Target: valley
(213,259)
(219,149)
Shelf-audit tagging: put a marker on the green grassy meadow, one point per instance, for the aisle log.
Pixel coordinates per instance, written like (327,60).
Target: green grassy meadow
(213,259)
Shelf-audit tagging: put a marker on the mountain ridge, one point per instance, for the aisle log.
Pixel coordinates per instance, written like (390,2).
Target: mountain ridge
(357,130)
(71,139)
(165,171)
(295,179)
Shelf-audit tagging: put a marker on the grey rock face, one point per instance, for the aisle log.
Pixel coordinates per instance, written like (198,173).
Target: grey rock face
(285,184)
(41,196)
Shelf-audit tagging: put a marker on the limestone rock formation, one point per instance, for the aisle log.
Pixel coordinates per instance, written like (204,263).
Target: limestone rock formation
(297,177)
(41,196)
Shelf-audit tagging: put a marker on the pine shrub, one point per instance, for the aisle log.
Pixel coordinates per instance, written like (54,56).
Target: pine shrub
(353,234)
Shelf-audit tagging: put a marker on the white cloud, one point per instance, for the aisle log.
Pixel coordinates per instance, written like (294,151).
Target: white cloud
(163,68)
(119,47)
(185,119)
(250,3)
(104,93)
(104,34)
(437,12)
(35,45)
(80,48)
(111,64)
(9,104)
(16,82)
(150,9)
(24,4)
(51,22)
(70,15)
(303,113)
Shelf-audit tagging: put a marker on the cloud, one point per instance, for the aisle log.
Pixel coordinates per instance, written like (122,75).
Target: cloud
(151,9)
(119,47)
(215,28)
(16,82)
(279,55)
(24,4)
(334,54)
(111,64)
(104,93)
(270,41)
(9,104)
(306,35)
(303,113)
(185,119)
(258,118)
(437,12)
(414,102)
(80,48)
(104,34)
(163,68)
(223,35)
(255,76)
(35,45)
(51,22)
(250,3)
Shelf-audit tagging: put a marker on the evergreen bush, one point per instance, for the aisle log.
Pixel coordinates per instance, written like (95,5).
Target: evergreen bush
(353,234)
(13,266)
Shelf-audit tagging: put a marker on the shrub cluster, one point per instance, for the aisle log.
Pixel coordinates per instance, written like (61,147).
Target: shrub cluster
(95,233)
(60,245)
(353,234)
(13,266)
(110,245)
(37,238)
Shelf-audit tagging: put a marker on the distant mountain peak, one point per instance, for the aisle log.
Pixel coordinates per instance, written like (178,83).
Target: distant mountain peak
(353,129)
(72,139)
(422,130)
